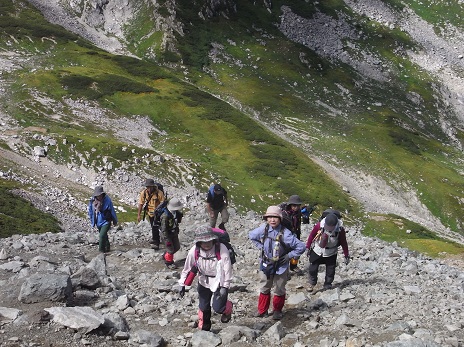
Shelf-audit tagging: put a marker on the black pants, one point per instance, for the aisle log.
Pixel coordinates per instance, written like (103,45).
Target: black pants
(204,296)
(330,264)
(155,231)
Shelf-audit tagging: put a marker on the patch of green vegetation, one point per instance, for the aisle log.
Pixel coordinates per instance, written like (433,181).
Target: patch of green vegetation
(100,86)
(392,228)
(20,20)
(438,13)
(18,216)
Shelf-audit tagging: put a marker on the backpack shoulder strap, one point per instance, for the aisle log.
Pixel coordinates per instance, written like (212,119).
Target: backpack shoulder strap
(266,232)
(149,196)
(218,250)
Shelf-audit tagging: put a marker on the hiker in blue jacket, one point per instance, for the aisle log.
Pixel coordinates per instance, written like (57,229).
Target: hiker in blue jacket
(101,214)
(277,245)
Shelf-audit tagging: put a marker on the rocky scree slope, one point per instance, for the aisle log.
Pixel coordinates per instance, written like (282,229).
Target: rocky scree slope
(57,289)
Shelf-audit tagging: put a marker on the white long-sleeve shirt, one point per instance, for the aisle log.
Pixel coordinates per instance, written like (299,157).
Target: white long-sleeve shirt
(211,272)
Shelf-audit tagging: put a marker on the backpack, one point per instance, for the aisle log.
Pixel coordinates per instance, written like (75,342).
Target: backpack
(306,211)
(329,211)
(224,238)
(211,190)
(286,219)
(159,186)
(159,210)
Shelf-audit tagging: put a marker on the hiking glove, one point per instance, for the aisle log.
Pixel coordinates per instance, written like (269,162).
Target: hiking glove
(347,260)
(182,291)
(223,292)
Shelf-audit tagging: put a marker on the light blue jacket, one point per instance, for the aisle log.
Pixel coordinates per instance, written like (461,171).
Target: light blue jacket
(98,219)
(290,246)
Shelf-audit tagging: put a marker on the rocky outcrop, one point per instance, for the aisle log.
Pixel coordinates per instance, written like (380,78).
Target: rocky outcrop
(386,296)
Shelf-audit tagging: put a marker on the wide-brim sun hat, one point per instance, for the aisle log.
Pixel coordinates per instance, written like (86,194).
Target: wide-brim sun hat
(204,233)
(294,200)
(98,191)
(175,205)
(149,182)
(273,211)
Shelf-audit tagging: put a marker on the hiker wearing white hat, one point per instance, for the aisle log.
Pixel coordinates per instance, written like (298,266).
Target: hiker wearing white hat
(170,218)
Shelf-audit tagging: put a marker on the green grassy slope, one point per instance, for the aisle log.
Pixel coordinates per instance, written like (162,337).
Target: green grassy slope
(379,127)
(255,164)
(263,71)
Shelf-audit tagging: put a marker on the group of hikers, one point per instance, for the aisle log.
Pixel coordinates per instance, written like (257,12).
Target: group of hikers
(278,239)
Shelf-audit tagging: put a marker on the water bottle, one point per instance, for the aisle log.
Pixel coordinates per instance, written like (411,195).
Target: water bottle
(276,249)
(191,275)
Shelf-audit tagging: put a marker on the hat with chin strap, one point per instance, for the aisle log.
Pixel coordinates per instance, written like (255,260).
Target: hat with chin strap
(204,233)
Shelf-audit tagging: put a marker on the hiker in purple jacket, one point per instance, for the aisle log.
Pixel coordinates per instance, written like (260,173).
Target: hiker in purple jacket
(277,245)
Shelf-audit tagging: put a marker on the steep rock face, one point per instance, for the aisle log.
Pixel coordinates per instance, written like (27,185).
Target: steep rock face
(110,24)
(214,8)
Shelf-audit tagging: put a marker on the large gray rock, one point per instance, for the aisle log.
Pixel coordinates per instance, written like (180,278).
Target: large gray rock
(146,338)
(46,287)
(205,338)
(84,318)
(86,277)
(9,313)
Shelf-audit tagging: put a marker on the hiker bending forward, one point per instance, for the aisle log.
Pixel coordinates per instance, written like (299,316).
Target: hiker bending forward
(323,243)
(277,245)
(169,227)
(210,260)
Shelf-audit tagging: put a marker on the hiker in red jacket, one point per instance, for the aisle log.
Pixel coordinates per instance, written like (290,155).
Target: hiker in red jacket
(322,245)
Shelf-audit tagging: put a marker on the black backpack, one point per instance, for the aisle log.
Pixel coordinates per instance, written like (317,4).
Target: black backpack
(329,211)
(224,238)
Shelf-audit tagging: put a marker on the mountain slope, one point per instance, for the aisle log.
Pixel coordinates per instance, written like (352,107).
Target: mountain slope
(349,94)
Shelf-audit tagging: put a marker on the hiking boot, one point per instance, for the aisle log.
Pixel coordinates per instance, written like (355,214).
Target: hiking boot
(327,286)
(225,318)
(260,315)
(277,315)
(310,287)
